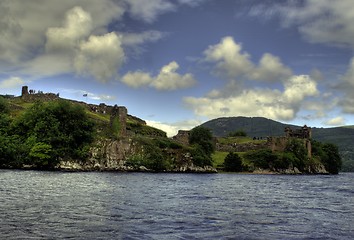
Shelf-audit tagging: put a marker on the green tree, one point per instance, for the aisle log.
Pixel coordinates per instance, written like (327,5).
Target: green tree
(328,154)
(63,126)
(40,155)
(296,147)
(202,140)
(238,133)
(233,163)
(263,158)
(331,160)
(4,106)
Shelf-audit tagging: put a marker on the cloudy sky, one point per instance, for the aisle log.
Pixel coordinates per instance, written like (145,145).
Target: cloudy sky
(178,63)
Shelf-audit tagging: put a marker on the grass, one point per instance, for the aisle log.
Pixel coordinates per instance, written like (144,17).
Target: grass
(97,116)
(239,140)
(218,158)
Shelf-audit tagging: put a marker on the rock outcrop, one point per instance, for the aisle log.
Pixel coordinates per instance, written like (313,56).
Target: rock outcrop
(109,155)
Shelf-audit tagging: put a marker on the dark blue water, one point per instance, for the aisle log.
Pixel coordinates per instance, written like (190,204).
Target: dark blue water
(55,205)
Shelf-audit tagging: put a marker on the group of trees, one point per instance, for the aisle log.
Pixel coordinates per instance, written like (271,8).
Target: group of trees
(294,155)
(201,140)
(44,134)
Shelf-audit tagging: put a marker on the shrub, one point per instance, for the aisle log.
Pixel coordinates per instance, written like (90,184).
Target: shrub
(263,158)
(233,163)
(239,133)
(202,140)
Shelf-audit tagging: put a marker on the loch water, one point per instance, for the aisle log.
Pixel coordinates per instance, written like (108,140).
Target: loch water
(109,205)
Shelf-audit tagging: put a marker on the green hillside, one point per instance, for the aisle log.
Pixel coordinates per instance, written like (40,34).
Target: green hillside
(263,127)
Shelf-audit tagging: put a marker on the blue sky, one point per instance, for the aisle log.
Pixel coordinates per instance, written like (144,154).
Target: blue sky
(178,63)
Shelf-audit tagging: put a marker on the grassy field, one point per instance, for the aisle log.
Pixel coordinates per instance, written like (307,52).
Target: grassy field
(239,140)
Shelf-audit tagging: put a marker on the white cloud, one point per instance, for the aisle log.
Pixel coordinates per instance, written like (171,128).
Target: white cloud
(77,26)
(167,79)
(324,21)
(24,24)
(337,121)
(12,82)
(139,38)
(270,69)
(270,103)
(137,79)
(42,38)
(171,129)
(192,3)
(298,88)
(231,63)
(100,56)
(148,10)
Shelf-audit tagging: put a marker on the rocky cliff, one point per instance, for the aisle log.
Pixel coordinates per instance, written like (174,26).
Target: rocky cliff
(113,155)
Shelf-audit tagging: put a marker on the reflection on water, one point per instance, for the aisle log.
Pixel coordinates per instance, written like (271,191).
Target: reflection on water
(55,205)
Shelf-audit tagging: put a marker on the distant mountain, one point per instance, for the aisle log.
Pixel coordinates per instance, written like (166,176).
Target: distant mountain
(262,127)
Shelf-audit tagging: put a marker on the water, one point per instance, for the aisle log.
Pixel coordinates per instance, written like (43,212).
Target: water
(56,205)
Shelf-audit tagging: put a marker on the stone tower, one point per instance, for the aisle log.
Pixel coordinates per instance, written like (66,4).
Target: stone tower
(118,120)
(24,91)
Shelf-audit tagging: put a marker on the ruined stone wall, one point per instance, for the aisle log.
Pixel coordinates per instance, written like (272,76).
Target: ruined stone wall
(182,137)
(119,115)
(122,115)
(24,91)
(279,144)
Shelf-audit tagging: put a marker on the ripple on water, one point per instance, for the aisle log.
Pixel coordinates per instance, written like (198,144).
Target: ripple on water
(47,205)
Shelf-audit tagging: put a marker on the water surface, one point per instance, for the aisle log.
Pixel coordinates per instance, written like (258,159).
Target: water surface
(96,205)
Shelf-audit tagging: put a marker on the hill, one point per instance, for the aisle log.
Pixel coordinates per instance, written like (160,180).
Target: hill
(263,127)
(43,131)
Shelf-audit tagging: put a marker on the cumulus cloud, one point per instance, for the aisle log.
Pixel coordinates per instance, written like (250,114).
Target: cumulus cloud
(298,88)
(167,79)
(77,26)
(192,3)
(270,69)
(148,10)
(324,21)
(139,38)
(24,24)
(44,38)
(137,79)
(337,121)
(232,62)
(100,56)
(171,129)
(12,82)
(270,103)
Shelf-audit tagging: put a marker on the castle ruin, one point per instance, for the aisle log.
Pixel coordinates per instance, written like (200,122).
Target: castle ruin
(280,143)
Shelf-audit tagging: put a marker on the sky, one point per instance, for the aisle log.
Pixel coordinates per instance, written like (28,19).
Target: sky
(179,63)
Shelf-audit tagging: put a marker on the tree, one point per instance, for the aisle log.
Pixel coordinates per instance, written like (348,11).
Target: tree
(40,155)
(331,160)
(238,133)
(263,158)
(54,131)
(4,106)
(296,147)
(203,137)
(202,140)
(233,163)
(328,154)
